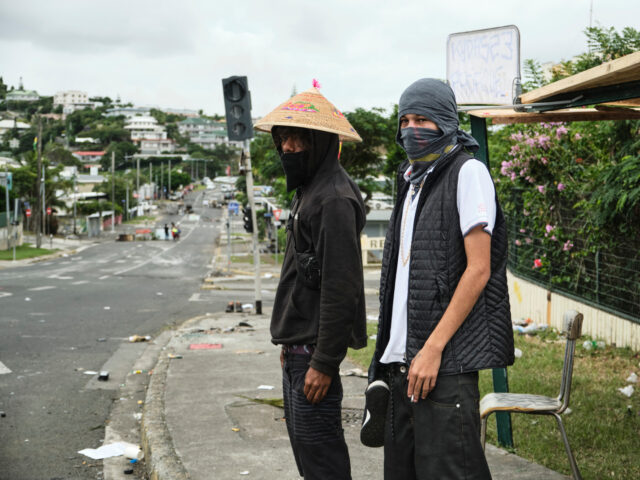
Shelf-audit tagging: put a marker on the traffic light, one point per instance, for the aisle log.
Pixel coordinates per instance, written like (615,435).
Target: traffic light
(246,216)
(237,105)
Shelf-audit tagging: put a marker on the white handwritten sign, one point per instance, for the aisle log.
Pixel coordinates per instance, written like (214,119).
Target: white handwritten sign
(483,64)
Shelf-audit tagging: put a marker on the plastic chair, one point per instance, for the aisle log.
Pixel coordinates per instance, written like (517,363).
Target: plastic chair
(540,404)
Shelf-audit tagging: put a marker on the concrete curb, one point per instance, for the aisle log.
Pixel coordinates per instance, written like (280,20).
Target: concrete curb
(161,459)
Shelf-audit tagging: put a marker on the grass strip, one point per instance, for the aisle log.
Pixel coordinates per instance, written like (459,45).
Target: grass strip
(25,251)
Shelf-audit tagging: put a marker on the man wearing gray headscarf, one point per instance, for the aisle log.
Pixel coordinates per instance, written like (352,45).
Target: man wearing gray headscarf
(444,311)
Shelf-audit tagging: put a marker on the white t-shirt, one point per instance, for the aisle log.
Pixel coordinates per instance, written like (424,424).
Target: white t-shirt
(476,206)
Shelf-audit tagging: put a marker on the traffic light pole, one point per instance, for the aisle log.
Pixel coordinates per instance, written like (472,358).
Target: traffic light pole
(256,247)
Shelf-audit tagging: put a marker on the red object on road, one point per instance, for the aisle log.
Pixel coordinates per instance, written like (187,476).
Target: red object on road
(27,212)
(205,346)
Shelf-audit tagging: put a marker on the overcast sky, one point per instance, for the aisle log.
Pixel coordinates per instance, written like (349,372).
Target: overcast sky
(364,52)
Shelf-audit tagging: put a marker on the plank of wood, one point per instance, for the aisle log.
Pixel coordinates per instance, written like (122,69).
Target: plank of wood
(621,70)
(504,117)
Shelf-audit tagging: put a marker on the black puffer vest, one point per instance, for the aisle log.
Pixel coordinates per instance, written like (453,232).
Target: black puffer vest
(438,260)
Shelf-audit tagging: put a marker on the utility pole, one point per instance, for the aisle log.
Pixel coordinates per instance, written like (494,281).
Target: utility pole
(256,246)
(127,204)
(151,180)
(169,187)
(161,179)
(6,193)
(39,186)
(113,190)
(74,203)
(138,176)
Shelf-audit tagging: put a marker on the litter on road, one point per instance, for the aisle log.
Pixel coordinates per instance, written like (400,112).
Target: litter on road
(266,387)
(113,450)
(205,346)
(139,338)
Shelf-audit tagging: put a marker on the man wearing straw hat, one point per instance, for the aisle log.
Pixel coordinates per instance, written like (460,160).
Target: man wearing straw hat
(444,310)
(319,307)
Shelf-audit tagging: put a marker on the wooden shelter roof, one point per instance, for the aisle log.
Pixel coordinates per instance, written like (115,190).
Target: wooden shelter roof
(610,91)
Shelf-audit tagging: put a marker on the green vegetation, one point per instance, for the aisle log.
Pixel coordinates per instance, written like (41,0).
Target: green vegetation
(603,424)
(24,251)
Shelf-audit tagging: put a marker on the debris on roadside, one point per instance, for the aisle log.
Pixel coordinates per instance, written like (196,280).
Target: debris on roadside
(517,353)
(116,449)
(139,338)
(103,376)
(626,391)
(205,346)
(174,356)
(632,378)
(266,387)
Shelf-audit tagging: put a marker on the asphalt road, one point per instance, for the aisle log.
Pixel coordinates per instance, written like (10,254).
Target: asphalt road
(62,317)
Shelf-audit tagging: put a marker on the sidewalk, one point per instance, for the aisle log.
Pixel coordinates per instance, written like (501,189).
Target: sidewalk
(209,414)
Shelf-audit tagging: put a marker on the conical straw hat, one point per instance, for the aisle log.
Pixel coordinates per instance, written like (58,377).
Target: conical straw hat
(309,109)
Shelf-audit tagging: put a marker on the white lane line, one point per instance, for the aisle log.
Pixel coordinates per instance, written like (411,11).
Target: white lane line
(103,277)
(3,369)
(58,277)
(5,294)
(39,289)
(80,282)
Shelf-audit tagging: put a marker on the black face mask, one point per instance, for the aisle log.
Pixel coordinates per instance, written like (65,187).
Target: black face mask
(295,167)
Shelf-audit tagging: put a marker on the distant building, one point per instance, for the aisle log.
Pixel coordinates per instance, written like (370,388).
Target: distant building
(89,157)
(8,125)
(22,95)
(128,112)
(72,100)
(198,126)
(151,137)
(151,147)
(210,140)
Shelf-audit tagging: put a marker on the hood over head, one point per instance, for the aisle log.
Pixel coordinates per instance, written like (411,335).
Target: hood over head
(435,100)
(321,154)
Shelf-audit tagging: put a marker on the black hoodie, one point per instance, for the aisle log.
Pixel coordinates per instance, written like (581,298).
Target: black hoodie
(328,216)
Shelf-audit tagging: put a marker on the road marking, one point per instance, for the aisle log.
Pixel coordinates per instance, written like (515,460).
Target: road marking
(195,298)
(103,277)
(38,289)
(80,282)
(153,258)
(58,277)
(4,369)
(5,294)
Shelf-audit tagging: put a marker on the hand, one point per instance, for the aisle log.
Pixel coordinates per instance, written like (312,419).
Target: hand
(316,385)
(423,372)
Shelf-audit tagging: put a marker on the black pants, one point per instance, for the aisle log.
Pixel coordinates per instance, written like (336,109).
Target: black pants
(315,431)
(437,438)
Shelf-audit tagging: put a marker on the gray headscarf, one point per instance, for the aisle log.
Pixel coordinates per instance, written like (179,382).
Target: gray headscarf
(435,100)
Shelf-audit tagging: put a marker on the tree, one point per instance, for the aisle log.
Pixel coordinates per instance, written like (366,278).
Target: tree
(3,89)
(120,149)
(364,161)
(59,155)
